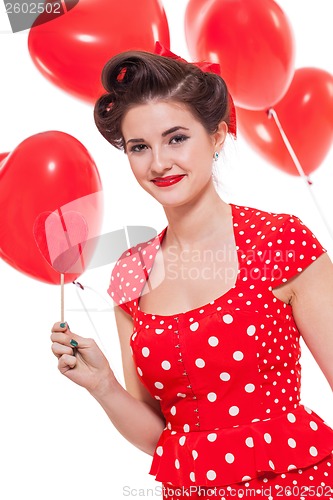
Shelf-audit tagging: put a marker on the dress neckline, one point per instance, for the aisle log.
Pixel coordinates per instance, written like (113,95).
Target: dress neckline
(210,305)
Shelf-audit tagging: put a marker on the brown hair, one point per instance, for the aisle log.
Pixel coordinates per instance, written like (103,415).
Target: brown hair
(136,77)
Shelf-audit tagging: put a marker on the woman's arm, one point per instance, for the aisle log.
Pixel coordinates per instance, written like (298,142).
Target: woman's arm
(140,420)
(310,294)
(134,413)
(136,420)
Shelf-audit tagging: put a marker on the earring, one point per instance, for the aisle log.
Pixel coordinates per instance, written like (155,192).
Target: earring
(216,156)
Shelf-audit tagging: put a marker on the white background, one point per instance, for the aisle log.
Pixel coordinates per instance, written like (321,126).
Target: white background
(55,441)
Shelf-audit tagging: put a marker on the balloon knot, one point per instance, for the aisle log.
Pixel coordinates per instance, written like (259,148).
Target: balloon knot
(269,112)
(78,284)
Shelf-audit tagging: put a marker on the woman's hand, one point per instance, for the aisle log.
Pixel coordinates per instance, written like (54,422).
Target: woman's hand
(84,363)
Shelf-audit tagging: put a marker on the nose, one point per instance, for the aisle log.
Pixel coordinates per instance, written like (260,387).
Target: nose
(160,161)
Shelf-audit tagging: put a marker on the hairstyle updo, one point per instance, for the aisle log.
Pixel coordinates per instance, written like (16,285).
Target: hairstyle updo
(135,77)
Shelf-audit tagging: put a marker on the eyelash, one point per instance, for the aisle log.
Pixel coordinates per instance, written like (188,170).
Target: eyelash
(179,138)
(137,148)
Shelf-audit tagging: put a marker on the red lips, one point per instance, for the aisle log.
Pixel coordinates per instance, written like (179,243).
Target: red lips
(169,177)
(167,181)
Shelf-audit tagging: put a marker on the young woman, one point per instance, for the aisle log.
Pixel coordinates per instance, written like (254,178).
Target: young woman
(210,311)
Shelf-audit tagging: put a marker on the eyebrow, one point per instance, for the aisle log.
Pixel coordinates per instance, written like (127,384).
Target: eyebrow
(164,134)
(172,130)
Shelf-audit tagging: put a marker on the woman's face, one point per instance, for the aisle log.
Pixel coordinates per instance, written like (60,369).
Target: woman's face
(164,139)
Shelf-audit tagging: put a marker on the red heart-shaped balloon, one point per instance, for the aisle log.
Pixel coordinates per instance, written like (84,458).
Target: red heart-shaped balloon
(72,50)
(46,172)
(306,116)
(253,42)
(3,156)
(60,238)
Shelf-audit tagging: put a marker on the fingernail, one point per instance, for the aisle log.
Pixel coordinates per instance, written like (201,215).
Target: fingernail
(62,325)
(73,343)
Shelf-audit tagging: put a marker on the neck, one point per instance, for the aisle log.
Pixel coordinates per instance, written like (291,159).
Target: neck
(194,223)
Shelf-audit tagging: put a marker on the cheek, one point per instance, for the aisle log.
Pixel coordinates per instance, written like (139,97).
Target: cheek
(137,166)
(204,160)
(195,156)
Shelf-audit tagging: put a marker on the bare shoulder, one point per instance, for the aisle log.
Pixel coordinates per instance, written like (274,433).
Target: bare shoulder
(314,281)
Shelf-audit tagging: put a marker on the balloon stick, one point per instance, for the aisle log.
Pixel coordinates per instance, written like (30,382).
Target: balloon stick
(272,114)
(62,283)
(60,237)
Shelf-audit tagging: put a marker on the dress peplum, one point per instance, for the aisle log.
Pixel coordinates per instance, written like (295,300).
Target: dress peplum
(227,374)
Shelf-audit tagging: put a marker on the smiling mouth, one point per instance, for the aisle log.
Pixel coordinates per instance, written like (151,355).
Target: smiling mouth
(167,181)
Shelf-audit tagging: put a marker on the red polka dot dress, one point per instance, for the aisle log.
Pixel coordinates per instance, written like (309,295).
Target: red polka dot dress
(228,374)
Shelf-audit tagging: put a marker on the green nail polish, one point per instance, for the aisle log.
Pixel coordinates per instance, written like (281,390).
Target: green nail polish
(62,325)
(73,343)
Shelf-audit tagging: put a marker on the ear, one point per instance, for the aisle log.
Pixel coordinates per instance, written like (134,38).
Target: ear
(220,135)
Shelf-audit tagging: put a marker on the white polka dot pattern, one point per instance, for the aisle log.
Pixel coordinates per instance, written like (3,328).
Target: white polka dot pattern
(227,374)
(296,483)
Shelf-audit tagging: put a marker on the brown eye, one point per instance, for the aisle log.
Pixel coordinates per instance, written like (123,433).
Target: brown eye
(177,139)
(138,148)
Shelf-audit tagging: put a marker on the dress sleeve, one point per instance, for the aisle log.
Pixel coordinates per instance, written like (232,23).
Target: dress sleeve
(129,275)
(125,279)
(118,283)
(295,249)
